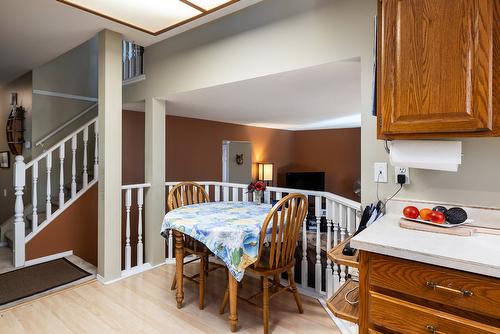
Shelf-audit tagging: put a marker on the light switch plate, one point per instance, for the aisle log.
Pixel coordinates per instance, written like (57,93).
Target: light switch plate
(380,172)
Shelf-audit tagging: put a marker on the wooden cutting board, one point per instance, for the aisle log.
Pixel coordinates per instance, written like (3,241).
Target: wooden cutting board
(459,230)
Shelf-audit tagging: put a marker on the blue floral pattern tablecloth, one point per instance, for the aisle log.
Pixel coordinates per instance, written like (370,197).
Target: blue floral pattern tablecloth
(229,229)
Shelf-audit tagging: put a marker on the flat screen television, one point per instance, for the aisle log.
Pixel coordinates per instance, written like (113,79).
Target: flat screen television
(306,181)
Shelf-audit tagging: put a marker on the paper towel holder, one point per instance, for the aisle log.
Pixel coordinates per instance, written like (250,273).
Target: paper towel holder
(386,146)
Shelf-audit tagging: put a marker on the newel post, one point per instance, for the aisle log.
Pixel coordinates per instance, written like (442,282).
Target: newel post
(19,225)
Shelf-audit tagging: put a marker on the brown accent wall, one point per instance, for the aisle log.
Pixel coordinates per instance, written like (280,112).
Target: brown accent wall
(336,152)
(194,151)
(75,229)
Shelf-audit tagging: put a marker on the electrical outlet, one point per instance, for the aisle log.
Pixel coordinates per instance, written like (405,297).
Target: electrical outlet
(380,172)
(402,171)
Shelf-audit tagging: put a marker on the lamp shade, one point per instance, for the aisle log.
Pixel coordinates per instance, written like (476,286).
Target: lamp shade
(266,171)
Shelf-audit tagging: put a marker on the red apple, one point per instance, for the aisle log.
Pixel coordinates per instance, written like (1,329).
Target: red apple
(410,212)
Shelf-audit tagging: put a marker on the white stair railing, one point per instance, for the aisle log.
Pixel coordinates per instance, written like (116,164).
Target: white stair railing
(21,170)
(334,219)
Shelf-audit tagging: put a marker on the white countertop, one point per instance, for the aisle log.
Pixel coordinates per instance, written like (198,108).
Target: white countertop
(479,253)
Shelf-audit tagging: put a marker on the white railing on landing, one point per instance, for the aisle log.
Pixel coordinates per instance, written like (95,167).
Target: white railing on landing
(138,191)
(341,216)
(44,161)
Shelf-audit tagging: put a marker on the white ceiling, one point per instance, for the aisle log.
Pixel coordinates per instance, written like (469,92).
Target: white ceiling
(320,97)
(34,32)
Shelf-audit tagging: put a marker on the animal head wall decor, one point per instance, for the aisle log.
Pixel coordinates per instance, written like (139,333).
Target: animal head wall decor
(239,159)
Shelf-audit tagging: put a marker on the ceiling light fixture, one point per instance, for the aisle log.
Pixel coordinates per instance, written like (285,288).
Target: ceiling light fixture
(152,16)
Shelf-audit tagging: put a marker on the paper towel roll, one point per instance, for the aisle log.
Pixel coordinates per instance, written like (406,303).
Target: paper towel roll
(426,154)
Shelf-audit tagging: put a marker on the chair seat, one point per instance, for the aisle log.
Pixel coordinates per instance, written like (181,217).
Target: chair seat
(262,269)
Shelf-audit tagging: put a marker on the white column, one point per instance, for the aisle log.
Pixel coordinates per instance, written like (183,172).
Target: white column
(61,176)
(304,254)
(128,249)
(73,166)
(34,196)
(19,225)
(329,271)
(140,246)
(48,204)
(317,267)
(336,276)
(85,177)
(109,156)
(154,200)
(96,150)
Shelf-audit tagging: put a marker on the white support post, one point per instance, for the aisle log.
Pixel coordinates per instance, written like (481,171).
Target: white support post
(267,197)
(317,273)
(85,176)
(73,166)
(19,224)
(329,271)
(128,249)
(140,246)
(245,195)
(207,190)
(34,196)
(235,194)
(304,254)
(343,235)
(279,195)
(61,176)
(170,245)
(96,150)
(225,194)
(48,204)
(336,276)
(217,193)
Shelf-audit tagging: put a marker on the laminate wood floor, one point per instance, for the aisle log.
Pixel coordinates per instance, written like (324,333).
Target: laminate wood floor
(145,304)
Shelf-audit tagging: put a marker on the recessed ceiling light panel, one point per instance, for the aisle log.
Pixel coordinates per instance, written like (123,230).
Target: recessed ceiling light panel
(151,16)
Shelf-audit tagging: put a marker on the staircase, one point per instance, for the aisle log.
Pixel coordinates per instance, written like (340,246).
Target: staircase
(49,184)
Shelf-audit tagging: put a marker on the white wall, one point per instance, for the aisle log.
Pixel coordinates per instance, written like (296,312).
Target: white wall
(22,86)
(281,35)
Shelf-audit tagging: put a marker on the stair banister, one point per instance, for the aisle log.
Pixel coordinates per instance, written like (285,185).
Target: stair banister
(19,224)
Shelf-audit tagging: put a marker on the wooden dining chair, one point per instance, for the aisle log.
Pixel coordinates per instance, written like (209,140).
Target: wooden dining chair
(276,253)
(186,193)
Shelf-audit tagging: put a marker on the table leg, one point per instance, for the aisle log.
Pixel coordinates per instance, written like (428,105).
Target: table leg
(179,267)
(233,303)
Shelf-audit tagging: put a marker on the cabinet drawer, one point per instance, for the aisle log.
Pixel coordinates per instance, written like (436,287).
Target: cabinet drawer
(405,317)
(465,291)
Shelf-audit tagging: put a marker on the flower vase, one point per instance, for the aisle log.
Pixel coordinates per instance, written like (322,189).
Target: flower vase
(257,196)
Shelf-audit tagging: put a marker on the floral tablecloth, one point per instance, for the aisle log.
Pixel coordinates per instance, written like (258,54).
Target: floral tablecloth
(229,229)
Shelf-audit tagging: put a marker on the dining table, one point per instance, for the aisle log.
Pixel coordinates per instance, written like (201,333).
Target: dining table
(230,230)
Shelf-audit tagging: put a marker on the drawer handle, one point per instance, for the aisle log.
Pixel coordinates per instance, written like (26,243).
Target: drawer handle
(431,329)
(462,292)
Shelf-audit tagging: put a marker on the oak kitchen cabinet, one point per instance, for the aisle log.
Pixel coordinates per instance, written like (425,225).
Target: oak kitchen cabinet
(438,68)
(401,296)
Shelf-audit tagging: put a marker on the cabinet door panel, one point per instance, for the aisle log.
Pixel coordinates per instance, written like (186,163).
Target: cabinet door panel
(435,66)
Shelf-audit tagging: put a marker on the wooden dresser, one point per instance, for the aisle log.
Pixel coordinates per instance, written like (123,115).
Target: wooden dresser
(402,296)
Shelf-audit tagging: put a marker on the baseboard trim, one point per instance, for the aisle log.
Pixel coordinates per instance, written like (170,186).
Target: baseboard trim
(344,326)
(128,273)
(48,258)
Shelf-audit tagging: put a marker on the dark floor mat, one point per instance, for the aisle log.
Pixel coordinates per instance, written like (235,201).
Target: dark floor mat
(25,282)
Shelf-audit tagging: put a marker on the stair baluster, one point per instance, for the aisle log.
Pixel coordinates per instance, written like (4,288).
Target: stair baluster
(34,196)
(19,225)
(73,166)
(61,175)
(140,247)
(96,150)
(85,180)
(317,266)
(128,250)
(48,206)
